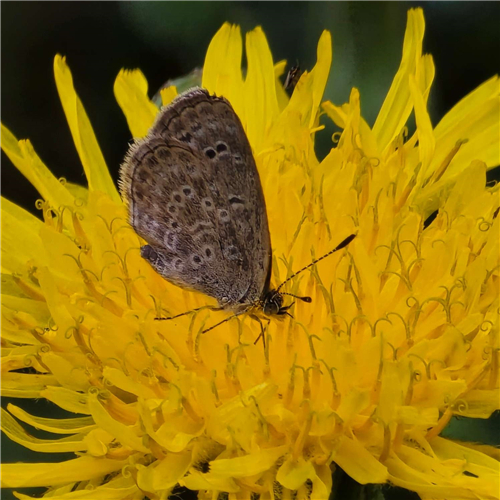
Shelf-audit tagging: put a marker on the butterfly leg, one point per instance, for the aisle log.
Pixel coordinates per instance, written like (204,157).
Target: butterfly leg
(224,320)
(262,329)
(211,308)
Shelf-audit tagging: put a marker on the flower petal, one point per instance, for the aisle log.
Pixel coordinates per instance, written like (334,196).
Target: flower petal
(168,95)
(475,119)
(261,103)
(24,158)
(359,463)
(397,105)
(294,473)
(222,67)
(247,465)
(15,432)
(54,425)
(48,474)
(123,433)
(84,138)
(131,93)
(164,474)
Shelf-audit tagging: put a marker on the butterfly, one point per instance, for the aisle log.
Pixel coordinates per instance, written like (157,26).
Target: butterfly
(193,193)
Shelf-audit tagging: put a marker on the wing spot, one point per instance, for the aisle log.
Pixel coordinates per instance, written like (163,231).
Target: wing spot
(208,251)
(196,260)
(235,200)
(172,209)
(177,197)
(186,137)
(187,190)
(207,202)
(210,152)
(221,147)
(224,215)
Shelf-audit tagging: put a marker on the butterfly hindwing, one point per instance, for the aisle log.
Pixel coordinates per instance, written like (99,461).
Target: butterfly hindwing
(194,195)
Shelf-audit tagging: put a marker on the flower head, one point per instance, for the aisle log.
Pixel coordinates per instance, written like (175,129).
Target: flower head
(402,332)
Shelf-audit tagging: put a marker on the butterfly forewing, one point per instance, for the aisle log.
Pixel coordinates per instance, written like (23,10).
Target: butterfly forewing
(194,195)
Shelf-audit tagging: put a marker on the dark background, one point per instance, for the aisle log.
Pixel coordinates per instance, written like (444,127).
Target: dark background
(168,39)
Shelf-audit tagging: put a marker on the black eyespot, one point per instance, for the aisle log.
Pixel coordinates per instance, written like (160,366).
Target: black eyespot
(208,203)
(221,147)
(196,259)
(175,224)
(148,253)
(210,153)
(235,199)
(208,252)
(223,213)
(187,191)
(178,198)
(172,209)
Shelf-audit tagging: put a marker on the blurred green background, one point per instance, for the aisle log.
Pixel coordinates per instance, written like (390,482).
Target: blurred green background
(168,39)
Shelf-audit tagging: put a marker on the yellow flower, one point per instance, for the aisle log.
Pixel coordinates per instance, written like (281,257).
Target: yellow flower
(402,333)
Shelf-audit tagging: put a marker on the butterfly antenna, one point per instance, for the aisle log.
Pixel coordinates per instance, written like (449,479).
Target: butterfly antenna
(303,299)
(340,246)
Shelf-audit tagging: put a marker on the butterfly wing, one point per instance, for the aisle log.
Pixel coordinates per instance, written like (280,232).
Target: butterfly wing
(194,194)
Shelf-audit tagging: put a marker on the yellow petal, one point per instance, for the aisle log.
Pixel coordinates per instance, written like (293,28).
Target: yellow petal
(294,473)
(23,385)
(198,481)
(475,119)
(320,73)
(260,90)
(281,95)
(248,465)
(123,433)
(20,238)
(131,93)
(222,67)
(448,449)
(99,493)
(481,403)
(84,138)
(24,158)
(168,435)
(48,474)
(359,463)
(54,425)
(168,95)
(397,105)
(164,474)
(426,142)
(17,434)
(98,441)
(67,399)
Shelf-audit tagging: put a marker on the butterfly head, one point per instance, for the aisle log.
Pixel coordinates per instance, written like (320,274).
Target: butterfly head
(272,303)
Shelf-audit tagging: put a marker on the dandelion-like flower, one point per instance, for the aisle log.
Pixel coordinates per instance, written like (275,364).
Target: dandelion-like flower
(402,332)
